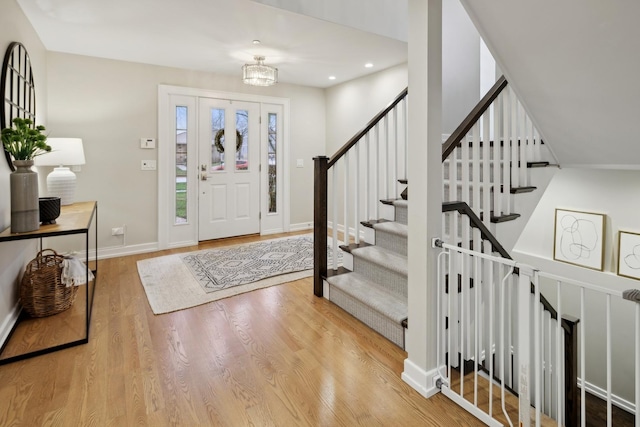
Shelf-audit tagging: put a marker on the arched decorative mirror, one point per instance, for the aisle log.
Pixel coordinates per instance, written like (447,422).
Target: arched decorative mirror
(17,88)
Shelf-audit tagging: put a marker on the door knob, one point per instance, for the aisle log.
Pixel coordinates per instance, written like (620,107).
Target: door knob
(203,176)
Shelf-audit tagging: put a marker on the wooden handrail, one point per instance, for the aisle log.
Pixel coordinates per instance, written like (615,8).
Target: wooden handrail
(358,136)
(452,142)
(464,209)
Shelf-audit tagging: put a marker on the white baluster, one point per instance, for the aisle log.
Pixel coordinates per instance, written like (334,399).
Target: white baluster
(489,348)
(476,303)
(367,177)
(537,344)
(386,158)
(346,198)
(537,146)
(454,230)
(506,149)
(356,197)
(523,145)
(394,177)
(475,169)
(515,174)
(405,121)
(486,170)
(497,156)
(524,337)
(334,202)
(530,146)
(376,194)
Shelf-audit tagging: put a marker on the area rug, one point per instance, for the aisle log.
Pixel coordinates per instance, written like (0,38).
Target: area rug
(179,281)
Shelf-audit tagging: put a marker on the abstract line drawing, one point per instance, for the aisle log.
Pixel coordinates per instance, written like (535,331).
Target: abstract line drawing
(629,254)
(579,238)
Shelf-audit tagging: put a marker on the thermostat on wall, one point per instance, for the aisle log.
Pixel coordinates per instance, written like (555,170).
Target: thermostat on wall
(147,143)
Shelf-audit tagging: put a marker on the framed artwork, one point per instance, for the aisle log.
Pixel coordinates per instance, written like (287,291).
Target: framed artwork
(579,238)
(629,254)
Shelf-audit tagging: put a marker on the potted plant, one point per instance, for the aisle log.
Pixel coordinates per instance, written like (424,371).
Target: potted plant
(24,143)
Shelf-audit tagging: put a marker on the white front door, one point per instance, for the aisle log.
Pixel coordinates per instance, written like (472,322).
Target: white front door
(229,169)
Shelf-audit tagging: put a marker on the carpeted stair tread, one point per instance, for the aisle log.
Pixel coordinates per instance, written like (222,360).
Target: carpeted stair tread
(394,228)
(384,258)
(372,295)
(401,203)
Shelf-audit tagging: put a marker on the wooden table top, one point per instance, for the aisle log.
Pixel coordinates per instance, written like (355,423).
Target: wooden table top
(74,219)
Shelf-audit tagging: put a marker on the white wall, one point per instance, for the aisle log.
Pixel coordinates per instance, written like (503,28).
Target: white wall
(112,104)
(574,66)
(613,193)
(15,255)
(460,65)
(350,105)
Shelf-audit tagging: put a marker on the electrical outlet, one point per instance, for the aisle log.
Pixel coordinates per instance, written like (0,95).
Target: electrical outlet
(148,165)
(117,231)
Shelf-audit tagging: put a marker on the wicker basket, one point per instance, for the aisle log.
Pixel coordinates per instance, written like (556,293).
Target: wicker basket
(42,292)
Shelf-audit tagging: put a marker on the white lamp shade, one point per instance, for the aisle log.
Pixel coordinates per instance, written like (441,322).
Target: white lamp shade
(64,151)
(61,182)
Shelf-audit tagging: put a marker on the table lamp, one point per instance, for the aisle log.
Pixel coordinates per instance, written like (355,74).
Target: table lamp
(61,182)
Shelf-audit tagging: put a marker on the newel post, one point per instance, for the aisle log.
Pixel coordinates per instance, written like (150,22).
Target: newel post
(319,223)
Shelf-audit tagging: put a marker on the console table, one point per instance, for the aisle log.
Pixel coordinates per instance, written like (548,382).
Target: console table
(65,329)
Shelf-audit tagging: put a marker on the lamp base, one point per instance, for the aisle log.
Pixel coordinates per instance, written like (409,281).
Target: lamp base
(62,183)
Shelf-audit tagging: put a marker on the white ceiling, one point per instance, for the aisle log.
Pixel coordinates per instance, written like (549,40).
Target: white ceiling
(212,35)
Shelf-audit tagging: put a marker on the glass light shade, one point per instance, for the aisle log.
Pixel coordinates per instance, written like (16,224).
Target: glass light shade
(259,74)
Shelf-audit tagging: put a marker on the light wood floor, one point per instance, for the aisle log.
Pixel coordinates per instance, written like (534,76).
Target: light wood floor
(273,357)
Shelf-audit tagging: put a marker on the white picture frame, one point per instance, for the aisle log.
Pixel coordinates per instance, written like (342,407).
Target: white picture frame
(629,254)
(579,238)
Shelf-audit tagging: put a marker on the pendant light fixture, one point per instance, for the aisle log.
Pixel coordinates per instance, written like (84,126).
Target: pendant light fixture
(259,74)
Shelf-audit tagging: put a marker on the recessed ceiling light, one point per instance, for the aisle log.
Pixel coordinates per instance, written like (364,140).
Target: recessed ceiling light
(368,65)
(256,41)
(332,77)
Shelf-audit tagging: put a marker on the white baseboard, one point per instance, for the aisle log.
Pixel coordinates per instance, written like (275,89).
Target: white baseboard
(9,321)
(420,380)
(301,226)
(272,231)
(602,394)
(352,231)
(118,251)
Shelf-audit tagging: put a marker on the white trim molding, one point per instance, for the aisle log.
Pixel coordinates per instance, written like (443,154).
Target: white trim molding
(189,231)
(424,382)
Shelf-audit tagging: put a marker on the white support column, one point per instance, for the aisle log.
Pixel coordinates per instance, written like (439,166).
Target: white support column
(425,176)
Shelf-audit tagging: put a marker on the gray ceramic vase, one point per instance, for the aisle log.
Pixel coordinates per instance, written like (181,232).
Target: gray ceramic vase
(25,210)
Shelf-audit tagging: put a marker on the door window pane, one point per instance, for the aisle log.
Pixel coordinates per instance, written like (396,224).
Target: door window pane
(217,139)
(181,165)
(242,140)
(271,160)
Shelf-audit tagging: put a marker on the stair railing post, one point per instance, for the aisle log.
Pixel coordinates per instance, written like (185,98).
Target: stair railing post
(523,366)
(320,223)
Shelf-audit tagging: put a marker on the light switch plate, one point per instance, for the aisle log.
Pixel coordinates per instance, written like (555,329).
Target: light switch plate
(300,163)
(147,143)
